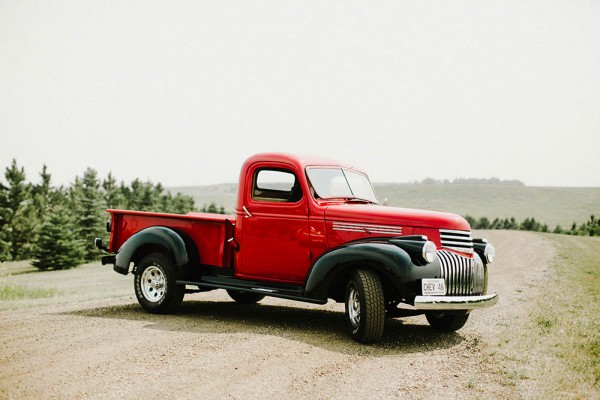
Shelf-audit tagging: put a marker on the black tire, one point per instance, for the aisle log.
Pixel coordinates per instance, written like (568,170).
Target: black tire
(365,306)
(446,322)
(245,297)
(154,284)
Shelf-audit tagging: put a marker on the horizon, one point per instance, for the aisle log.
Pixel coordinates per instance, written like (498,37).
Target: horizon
(475,181)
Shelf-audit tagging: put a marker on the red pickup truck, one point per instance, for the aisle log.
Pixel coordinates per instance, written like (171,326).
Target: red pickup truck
(308,229)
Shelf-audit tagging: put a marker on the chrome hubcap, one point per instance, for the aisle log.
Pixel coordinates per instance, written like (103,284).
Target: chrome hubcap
(153,284)
(354,306)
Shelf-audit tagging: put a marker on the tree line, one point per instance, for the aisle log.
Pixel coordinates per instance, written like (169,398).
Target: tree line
(471,181)
(589,228)
(56,226)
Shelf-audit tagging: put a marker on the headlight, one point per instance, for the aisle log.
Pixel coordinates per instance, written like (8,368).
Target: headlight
(489,253)
(421,250)
(486,251)
(429,250)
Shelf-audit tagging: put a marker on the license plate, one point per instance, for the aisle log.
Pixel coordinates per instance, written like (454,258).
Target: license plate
(433,287)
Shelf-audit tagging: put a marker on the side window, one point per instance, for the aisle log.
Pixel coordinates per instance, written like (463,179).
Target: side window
(276,185)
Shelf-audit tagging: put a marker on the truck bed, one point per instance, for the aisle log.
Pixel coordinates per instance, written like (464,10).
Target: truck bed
(209,232)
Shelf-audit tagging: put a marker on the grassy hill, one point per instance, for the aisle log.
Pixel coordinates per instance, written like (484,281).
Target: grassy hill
(550,205)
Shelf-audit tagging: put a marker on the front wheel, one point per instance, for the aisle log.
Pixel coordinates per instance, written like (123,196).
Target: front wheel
(446,322)
(155,286)
(365,306)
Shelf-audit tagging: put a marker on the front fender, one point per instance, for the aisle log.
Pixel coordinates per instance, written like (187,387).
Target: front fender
(153,237)
(393,264)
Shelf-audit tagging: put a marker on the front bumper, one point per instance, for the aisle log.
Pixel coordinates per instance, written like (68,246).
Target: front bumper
(441,303)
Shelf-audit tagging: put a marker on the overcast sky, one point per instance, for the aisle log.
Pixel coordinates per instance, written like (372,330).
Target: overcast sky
(181,92)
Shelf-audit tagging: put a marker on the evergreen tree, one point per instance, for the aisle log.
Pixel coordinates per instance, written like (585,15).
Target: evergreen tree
(212,208)
(167,203)
(127,196)
(20,214)
(88,204)
(113,195)
(4,244)
(594,224)
(484,223)
(41,194)
(58,245)
(472,221)
(150,197)
(134,197)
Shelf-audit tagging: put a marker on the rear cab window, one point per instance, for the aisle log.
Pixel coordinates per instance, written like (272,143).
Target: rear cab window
(276,185)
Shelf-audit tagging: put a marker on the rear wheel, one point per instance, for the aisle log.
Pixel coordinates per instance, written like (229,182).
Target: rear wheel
(365,306)
(245,297)
(446,322)
(155,286)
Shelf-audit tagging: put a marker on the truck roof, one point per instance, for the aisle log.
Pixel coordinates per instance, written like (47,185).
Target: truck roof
(298,160)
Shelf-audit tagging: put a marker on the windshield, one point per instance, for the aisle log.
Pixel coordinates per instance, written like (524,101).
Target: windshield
(335,183)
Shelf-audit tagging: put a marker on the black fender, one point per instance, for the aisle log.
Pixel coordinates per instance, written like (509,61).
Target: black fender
(394,265)
(155,237)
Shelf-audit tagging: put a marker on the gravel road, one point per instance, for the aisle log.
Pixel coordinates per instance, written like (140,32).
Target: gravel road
(92,341)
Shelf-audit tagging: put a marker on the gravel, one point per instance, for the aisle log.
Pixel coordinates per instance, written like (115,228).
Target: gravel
(92,341)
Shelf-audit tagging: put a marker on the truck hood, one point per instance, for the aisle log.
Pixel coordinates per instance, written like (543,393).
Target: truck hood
(408,217)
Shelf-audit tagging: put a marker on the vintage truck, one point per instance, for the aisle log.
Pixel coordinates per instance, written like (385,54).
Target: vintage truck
(308,229)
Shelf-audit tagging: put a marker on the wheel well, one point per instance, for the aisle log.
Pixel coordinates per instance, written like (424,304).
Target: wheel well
(146,249)
(337,290)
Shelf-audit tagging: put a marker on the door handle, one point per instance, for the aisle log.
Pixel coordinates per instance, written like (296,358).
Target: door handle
(248,215)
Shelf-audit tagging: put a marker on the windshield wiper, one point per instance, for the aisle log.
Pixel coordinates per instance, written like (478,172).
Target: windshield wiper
(359,200)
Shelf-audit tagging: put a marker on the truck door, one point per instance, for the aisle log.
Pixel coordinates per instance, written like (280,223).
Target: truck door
(273,227)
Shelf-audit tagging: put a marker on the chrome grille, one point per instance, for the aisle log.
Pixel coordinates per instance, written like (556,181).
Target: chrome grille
(464,276)
(457,240)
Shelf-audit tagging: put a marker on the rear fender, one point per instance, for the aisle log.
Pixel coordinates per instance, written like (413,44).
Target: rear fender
(155,237)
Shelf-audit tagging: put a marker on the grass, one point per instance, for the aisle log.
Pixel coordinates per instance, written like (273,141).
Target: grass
(564,332)
(10,290)
(19,292)
(568,318)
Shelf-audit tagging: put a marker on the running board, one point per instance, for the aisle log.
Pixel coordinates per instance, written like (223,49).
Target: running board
(288,292)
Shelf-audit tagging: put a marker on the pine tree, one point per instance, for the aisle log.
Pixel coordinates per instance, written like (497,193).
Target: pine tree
(134,195)
(484,223)
(58,245)
(150,197)
(41,194)
(87,203)
(113,195)
(4,244)
(182,204)
(20,214)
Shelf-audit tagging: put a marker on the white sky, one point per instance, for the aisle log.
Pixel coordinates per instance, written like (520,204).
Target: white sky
(181,92)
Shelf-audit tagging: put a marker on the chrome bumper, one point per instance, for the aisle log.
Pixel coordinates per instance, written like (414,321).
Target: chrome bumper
(455,302)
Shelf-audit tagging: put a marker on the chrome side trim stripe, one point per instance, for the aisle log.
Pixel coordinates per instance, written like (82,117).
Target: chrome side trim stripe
(367,228)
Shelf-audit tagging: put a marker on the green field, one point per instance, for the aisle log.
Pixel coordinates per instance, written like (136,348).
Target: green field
(550,205)
(562,339)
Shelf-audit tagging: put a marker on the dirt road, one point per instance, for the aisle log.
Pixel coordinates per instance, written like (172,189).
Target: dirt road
(92,341)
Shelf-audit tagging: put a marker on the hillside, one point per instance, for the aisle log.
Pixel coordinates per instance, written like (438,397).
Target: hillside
(550,205)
